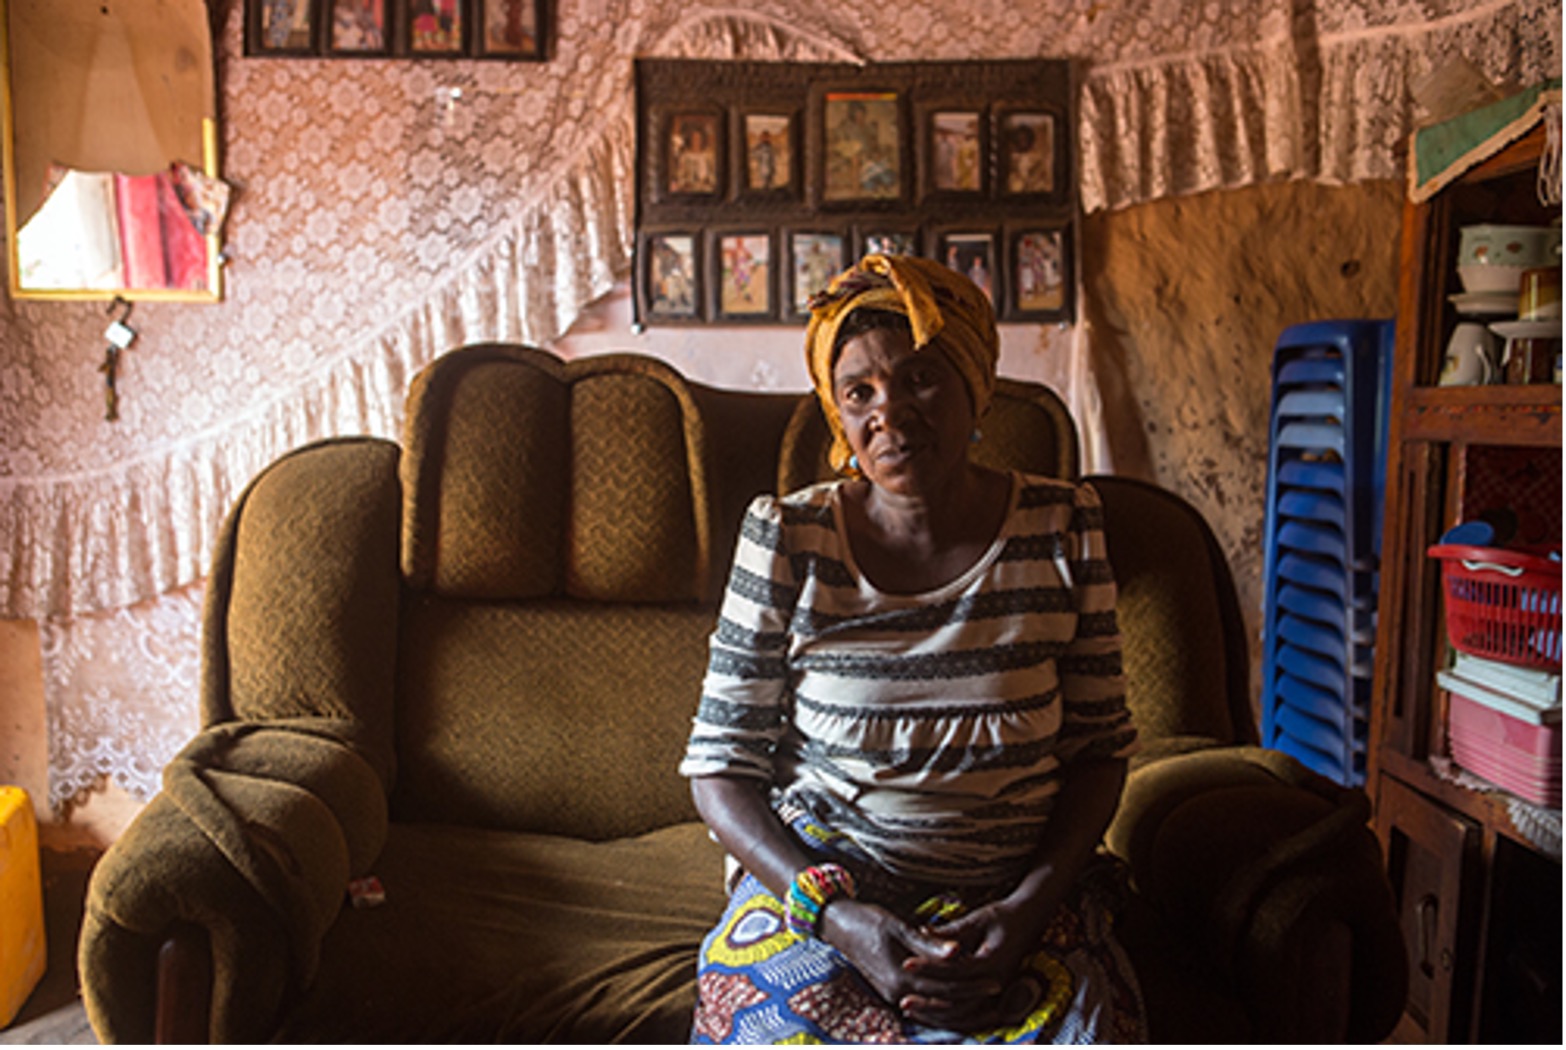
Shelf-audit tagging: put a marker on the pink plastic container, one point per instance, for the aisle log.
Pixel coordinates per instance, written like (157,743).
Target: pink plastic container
(1522,757)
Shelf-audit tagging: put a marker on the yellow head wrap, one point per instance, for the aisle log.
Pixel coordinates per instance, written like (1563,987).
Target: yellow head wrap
(937,300)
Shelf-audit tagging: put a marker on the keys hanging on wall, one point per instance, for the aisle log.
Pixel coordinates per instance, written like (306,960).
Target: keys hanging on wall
(119,336)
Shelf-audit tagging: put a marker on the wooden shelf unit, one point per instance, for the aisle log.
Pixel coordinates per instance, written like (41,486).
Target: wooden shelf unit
(1484,957)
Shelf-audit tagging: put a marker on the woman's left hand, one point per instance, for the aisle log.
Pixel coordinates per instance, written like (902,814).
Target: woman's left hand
(994,941)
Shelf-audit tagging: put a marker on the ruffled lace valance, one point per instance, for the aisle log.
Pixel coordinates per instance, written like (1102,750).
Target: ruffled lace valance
(1321,96)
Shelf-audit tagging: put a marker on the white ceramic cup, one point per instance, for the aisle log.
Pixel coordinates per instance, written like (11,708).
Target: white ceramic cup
(1471,356)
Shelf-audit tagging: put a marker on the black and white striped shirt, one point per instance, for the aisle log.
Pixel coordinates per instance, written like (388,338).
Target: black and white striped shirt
(931,728)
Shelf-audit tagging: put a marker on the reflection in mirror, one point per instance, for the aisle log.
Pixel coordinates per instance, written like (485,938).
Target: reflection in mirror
(111,174)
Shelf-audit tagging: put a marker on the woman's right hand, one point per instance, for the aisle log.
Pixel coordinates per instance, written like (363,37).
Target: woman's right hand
(879,945)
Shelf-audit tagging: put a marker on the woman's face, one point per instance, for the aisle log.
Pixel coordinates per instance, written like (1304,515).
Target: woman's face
(906,414)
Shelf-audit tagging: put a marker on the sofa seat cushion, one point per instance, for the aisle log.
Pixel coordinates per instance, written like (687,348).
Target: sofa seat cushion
(491,936)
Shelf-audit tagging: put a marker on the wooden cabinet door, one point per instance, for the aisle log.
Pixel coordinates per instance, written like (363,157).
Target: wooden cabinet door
(1433,858)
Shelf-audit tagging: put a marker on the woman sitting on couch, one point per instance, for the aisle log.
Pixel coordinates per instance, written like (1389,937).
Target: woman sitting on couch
(912,732)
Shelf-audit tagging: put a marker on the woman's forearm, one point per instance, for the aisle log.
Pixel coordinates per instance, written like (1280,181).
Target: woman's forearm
(1088,798)
(738,813)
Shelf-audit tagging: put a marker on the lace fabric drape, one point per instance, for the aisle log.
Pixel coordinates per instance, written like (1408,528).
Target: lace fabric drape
(388,211)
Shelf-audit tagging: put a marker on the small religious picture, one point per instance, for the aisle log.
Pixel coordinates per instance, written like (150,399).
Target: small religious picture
(435,27)
(286,25)
(973,255)
(956,161)
(672,290)
(745,275)
(1039,271)
(769,152)
(359,26)
(692,153)
(509,28)
(1028,152)
(815,259)
(863,146)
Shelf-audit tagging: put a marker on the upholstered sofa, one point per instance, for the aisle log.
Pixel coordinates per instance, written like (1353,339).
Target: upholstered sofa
(464,666)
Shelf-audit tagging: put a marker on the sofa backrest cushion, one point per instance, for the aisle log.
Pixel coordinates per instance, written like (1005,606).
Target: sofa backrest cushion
(527,477)
(558,716)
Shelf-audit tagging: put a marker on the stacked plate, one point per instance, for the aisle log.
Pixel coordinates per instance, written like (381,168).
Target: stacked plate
(1323,506)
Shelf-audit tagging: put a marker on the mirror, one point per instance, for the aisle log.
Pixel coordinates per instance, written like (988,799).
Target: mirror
(110,135)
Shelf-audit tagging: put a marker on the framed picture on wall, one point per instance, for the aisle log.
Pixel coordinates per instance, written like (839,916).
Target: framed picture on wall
(954,152)
(770,156)
(972,253)
(693,154)
(743,273)
(1039,265)
(885,240)
(509,29)
(671,288)
(862,147)
(359,27)
(282,27)
(814,259)
(1029,163)
(436,27)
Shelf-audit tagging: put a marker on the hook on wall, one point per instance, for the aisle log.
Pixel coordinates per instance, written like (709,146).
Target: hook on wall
(119,336)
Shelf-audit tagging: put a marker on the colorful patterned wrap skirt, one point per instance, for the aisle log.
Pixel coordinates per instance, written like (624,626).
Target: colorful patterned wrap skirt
(760,983)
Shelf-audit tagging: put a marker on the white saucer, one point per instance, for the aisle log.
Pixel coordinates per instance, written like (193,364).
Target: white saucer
(1479,304)
(1550,328)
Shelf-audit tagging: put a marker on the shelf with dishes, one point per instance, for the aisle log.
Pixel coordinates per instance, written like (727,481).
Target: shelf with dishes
(1464,758)
(1509,311)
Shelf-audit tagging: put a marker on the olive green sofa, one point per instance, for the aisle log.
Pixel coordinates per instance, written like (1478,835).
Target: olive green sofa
(465,665)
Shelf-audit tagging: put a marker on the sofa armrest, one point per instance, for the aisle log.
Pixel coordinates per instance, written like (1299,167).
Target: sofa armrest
(253,840)
(1272,874)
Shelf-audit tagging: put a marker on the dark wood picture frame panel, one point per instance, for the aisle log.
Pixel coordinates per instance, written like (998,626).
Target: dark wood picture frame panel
(943,123)
(504,30)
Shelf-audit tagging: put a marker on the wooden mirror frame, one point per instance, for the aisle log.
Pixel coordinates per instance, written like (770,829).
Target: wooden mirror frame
(208,162)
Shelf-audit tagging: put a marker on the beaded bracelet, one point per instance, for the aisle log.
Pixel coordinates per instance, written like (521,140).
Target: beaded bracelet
(811,891)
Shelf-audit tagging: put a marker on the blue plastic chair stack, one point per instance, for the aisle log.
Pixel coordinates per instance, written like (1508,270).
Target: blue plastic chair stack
(1325,479)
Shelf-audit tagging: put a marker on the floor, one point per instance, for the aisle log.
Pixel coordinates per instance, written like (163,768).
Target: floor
(53,1013)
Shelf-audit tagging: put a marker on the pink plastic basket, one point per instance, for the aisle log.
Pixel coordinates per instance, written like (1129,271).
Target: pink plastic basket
(1524,759)
(1502,604)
